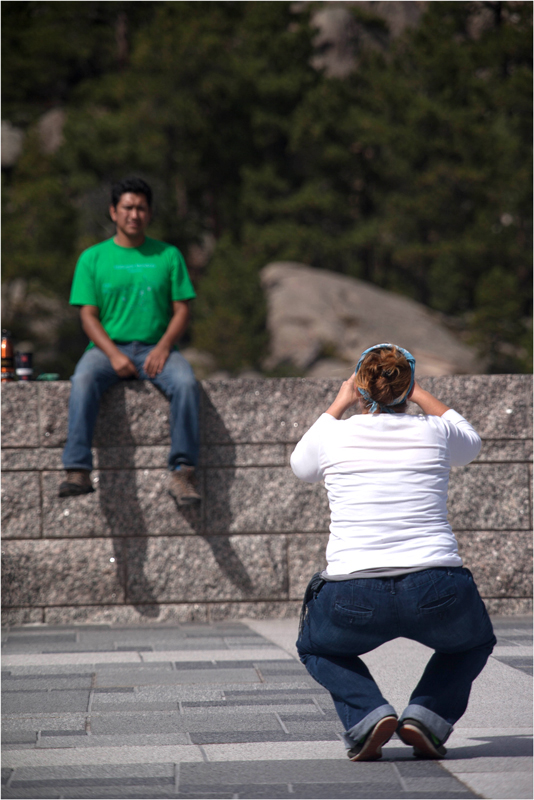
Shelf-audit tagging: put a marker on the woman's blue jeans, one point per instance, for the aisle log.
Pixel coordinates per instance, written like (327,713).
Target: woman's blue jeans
(94,374)
(440,608)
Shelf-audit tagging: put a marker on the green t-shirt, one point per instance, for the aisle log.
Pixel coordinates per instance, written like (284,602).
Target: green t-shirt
(133,287)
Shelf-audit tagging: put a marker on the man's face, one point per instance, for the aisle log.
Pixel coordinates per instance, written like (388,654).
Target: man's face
(131,215)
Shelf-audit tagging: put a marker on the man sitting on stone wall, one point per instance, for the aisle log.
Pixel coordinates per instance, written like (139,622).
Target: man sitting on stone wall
(133,293)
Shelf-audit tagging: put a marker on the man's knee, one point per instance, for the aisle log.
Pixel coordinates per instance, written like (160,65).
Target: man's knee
(181,377)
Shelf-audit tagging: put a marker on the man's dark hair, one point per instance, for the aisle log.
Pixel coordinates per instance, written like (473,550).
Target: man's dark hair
(134,185)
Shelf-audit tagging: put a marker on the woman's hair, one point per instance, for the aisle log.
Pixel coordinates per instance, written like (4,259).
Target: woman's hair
(385,375)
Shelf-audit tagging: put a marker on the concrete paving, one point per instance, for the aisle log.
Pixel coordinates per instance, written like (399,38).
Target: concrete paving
(227,711)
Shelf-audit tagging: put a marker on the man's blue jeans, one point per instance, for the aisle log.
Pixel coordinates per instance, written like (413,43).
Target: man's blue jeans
(440,608)
(94,374)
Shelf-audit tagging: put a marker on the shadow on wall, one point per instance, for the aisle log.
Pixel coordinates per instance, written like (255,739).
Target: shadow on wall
(125,511)
(219,501)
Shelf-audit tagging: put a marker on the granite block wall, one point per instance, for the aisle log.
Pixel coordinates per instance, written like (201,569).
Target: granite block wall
(128,553)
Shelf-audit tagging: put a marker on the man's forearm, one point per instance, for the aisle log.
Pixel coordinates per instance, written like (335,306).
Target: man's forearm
(176,327)
(94,330)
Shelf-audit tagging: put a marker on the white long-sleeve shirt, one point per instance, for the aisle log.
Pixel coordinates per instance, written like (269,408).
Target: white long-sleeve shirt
(387,478)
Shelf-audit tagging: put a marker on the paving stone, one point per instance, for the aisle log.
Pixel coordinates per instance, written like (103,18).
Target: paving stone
(63,571)
(258,499)
(53,721)
(271,772)
(120,615)
(206,568)
(165,722)
(44,702)
(498,570)
(21,737)
(306,556)
(279,410)
(21,505)
(219,737)
(233,723)
(486,497)
(140,457)
(508,396)
(504,450)
(282,609)
(221,676)
(31,458)
(22,616)
(19,414)
(243,455)
(38,640)
(45,684)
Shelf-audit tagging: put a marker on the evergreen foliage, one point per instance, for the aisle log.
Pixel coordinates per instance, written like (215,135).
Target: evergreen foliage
(414,172)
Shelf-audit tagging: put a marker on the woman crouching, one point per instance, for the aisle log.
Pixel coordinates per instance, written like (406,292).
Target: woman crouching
(393,563)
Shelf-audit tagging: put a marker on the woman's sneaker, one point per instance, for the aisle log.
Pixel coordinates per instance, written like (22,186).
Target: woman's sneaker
(424,743)
(369,748)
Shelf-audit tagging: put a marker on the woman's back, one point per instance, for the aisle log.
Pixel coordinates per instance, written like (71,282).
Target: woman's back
(387,479)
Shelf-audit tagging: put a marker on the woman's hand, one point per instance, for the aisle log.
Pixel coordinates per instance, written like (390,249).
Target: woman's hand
(428,404)
(347,396)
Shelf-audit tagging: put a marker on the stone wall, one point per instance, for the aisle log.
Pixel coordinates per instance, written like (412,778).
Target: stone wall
(127,553)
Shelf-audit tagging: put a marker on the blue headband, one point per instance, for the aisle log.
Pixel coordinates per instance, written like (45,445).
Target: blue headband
(365,394)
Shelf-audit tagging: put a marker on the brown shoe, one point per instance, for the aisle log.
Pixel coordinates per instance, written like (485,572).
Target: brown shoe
(424,743)
(78,481)
(370,747)
(182,486)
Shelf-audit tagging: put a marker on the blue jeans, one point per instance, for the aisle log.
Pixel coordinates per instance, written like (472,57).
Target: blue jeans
(94,374)
(440,608)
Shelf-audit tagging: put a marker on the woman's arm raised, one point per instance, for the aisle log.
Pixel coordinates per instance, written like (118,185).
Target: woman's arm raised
(428,404)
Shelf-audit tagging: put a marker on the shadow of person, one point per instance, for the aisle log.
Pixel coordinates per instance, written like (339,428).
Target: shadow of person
(219,461)
(119,501)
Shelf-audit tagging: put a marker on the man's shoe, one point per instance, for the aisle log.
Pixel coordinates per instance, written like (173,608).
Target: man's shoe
(77,482)
(424,743)
(182,486)
(370,747)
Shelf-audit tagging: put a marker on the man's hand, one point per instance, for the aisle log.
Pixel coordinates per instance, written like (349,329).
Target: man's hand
(347,396)
(155,360)
(123,366)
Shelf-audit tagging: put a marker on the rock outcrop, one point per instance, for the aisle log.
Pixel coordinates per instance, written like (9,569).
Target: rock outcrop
(320,321)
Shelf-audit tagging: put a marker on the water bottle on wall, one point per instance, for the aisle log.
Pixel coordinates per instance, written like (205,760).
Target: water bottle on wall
(8,361)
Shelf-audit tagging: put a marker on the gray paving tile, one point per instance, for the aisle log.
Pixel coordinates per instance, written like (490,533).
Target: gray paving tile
(32,684)
(115,740)
(163,722)
(86,771)
(19,737)
(436,785)
(39,640)
(260,722)
(48,721)
(216,675)
(220,737)
(272,772)
(522,663)
(6,774)
(262,700)
(43,702)
(134,677)
(68,783)
(110,705)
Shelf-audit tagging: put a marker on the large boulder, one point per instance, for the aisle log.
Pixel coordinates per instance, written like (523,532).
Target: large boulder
(320,322)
